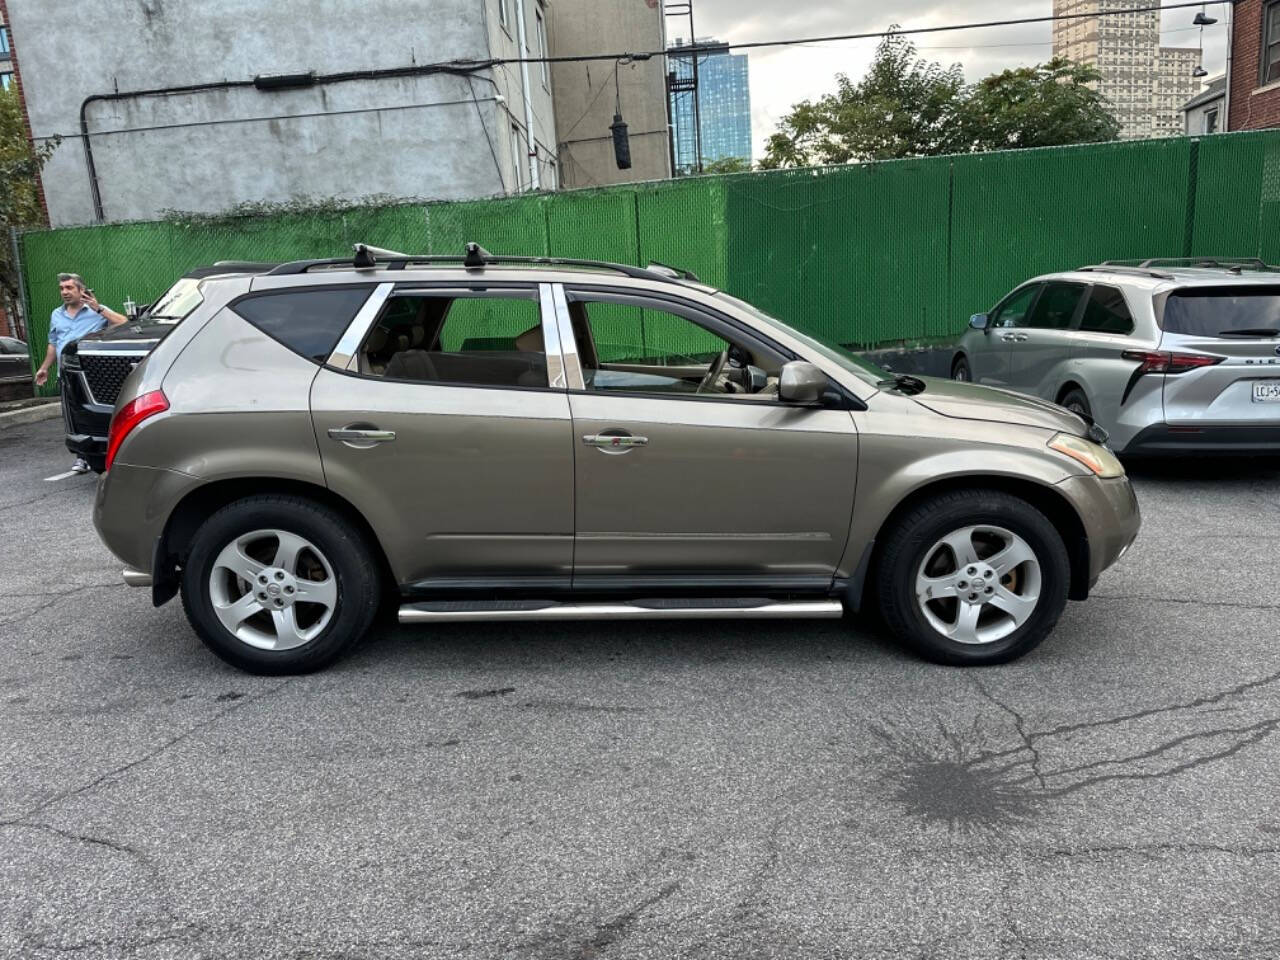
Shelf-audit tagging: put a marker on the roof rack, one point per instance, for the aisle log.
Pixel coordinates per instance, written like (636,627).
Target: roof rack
(475,258)
(1232,264)
(1111,267)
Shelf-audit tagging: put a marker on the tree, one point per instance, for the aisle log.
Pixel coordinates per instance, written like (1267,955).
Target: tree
(1041,106)
(727,165)
(19,198)
(903,107)
(910,107)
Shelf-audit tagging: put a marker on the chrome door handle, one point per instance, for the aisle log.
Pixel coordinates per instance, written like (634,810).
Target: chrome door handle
(605,441)
(1020,337)
(1008,337)
(362,436)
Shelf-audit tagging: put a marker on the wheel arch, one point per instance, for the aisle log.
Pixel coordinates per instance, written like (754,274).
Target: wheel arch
(1043,497)
(956,358)
(1066,388)
(174,543)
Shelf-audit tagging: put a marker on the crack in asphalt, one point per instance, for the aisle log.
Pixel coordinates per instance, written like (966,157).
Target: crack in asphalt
(1152,849)
(53,599)
(150,755)
(1185,600)
(617,928)
(966,787)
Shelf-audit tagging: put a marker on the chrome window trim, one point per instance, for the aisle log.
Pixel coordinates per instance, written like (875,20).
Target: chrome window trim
(344,354)
(551,338)
(568,344)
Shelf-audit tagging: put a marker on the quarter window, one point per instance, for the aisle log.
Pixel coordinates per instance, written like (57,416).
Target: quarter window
(458,338)
(308,322)
(1057,306)
(1106,311)
(1013,312)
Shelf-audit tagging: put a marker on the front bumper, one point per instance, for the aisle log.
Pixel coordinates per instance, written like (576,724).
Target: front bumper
(87,422)
(1162,440)
(1108,509)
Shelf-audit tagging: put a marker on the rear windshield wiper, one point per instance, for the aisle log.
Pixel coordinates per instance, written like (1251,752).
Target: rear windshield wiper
(904,384)
(1251,332)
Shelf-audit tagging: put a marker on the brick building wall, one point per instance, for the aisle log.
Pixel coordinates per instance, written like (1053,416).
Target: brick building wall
(1253,106)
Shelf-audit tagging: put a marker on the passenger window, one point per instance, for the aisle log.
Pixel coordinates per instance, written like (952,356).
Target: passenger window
(1013,312)
(625,347)
(1106,312)
(308,322)
(1056,306)
(474,339)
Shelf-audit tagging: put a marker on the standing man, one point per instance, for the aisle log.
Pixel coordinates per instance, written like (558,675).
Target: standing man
(79,315)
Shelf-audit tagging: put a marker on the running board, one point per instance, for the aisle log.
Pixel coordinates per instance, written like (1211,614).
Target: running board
(664,609)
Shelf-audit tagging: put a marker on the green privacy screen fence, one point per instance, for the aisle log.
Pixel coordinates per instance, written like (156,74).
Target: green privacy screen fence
(868,254)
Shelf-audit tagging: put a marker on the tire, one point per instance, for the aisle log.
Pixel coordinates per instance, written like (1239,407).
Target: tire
(1075,401)
(254,538)
(960,370)
(914,549)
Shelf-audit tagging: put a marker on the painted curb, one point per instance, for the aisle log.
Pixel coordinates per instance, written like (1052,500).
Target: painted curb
(32,414)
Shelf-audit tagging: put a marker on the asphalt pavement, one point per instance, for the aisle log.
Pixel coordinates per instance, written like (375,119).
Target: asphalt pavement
(663,790)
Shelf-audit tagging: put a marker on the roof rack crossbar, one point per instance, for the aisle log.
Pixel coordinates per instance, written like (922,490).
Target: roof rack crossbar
(476,258)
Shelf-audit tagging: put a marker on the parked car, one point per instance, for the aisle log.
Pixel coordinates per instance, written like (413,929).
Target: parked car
(95,367)
(1167,356)
(15,364)
(519,439)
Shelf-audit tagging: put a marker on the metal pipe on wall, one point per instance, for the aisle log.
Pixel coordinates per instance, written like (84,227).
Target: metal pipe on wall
(535,182)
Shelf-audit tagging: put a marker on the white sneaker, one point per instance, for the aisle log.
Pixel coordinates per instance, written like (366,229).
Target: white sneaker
(80,466)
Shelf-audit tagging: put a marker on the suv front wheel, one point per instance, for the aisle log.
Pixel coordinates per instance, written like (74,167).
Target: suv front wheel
(973,577)
(279,584)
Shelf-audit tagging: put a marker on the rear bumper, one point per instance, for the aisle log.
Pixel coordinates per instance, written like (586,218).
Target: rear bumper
(1161,440)
(1108,509)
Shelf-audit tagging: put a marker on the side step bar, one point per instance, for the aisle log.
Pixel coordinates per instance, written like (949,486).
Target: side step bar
(716,609)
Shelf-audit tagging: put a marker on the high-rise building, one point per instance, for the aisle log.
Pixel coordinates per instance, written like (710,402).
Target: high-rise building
(723,105)
(1144,83)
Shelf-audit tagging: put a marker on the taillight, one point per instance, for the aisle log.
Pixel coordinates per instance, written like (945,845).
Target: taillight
(129,416)
(1154,361)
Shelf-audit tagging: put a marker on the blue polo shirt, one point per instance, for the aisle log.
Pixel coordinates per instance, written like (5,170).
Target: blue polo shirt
(65,328)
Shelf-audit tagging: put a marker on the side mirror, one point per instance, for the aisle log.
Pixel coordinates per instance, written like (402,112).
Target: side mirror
(801,382)
(978,321)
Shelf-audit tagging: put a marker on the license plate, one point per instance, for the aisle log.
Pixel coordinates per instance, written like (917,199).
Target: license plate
(1266,391)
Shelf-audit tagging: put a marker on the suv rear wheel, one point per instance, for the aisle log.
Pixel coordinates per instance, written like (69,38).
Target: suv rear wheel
(973,577)
(279,584)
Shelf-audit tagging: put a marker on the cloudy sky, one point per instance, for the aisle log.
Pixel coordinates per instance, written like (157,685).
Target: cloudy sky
(781,76)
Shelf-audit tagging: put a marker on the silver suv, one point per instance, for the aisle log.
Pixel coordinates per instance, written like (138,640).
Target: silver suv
(1168,356)
(486,438)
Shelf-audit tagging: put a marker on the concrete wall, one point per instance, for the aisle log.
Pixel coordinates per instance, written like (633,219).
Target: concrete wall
(420,136)
(507,79)
(585,94)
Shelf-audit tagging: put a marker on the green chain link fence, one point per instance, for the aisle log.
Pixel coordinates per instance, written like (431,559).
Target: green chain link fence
(868,254)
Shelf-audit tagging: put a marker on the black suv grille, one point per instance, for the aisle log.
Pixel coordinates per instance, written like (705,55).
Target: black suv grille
(105,374)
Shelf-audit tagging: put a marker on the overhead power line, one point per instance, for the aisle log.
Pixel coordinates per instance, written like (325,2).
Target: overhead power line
(694,48)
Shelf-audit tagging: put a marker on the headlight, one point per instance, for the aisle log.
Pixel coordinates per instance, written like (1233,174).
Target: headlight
(1097,458)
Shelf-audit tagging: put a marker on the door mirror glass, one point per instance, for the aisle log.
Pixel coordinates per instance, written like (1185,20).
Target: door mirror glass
(978,321)
(801,382)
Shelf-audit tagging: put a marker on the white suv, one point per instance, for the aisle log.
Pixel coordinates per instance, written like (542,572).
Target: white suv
(1168,356)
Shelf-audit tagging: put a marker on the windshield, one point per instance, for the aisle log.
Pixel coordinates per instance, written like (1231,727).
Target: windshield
(183,297)
(827,348)
(1224,312)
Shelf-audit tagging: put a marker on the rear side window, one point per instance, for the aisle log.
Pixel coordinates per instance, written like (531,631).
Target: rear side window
(1223,312)
(1107,312)
(1056,307)
(472,339)
(308,322)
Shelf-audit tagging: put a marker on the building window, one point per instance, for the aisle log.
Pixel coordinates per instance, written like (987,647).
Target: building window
(542,48)
(4,42)
(5,80)
(1271,43)
(1211,120)
(502,12)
